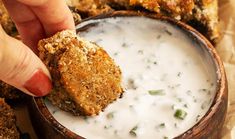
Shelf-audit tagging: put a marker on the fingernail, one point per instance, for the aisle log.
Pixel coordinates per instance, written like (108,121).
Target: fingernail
(39,84)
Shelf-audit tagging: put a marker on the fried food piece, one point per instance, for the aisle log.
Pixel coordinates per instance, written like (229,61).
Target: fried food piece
(85,78)
(202,14)
(88,8)
(205,13)
(8,128)
(6,21)
(76,17)
(9,92)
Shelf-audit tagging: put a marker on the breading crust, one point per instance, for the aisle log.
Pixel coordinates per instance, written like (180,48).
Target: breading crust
(85,78)
(8,128)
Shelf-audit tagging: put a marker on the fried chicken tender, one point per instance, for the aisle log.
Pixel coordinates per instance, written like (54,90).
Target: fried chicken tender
(8,128)
(85,78)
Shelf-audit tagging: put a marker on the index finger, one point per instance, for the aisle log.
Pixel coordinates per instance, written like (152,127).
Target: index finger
(53,14)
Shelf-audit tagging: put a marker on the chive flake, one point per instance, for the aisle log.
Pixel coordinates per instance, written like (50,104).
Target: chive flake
(110,115)
(180,114)
(162,125)
(133,131)
(156,92)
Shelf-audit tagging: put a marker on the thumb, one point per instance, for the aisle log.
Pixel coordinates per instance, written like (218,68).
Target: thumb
(21,68)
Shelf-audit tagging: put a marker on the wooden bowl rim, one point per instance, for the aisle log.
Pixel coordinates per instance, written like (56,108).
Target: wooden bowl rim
(221,77)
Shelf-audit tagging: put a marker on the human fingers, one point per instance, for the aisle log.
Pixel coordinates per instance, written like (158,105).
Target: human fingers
(21,68)
(53,14)
(27,23)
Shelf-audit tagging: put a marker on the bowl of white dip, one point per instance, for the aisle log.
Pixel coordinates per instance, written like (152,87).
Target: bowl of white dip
(175,83)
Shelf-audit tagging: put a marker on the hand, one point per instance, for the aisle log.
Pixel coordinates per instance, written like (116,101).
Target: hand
(34,19)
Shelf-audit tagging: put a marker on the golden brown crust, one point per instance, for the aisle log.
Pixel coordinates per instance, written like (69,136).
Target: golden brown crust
(89,7)
(9,92)
(85,78)
(205,12)
(6,21)
(8,128)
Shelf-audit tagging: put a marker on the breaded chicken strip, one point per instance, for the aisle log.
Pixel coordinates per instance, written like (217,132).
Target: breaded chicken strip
(85,78)
(8,128)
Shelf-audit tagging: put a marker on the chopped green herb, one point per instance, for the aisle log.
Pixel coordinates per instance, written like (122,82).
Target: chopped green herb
(165,137)
(179,99)
(140,52)
(168,32)
(197,118)
(116,53)
(156,92)
(162,125)
(186,105)
(131,84)
(53,112)
(159,36)
(179,74)
(85,118)
(133,131)
(124,45)
(180,114)
(107,127)
(189,92)
(110,115)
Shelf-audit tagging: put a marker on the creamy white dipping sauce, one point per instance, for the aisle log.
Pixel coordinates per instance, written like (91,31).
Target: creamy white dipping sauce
(168,85)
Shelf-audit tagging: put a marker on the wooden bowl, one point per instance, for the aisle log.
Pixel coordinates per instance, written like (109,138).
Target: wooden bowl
(208,127)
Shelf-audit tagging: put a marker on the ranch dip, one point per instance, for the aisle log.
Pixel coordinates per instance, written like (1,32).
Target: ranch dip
(169,86)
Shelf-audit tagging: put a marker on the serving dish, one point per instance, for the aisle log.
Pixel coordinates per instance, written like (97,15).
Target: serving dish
(209,126)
